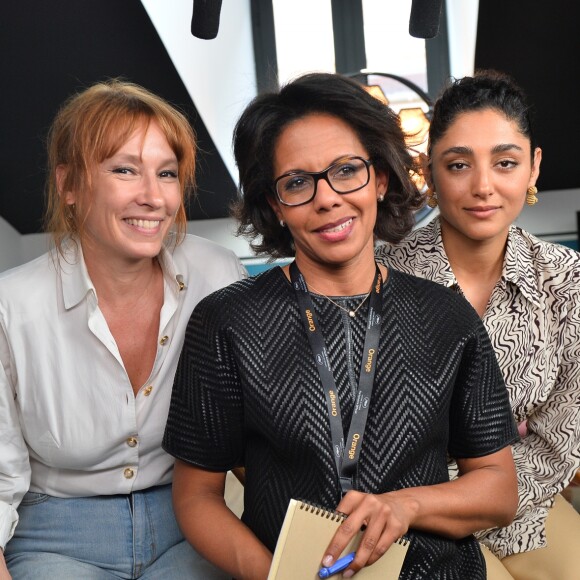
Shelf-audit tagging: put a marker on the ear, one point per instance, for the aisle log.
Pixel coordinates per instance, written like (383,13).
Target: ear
(535,167)
(381,183)
(275,207)
(426,170)
(61,173)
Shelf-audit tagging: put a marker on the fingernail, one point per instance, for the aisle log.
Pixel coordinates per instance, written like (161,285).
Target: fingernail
(348,574)
(327,561)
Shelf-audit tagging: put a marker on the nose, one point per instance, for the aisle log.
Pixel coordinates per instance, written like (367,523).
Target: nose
(150,191)
(325,197)
(482,186)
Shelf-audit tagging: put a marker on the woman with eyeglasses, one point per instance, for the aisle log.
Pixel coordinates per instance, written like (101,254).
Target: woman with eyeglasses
(333,379)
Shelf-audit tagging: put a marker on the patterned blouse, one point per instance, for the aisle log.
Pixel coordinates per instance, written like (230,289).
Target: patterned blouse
(533,319)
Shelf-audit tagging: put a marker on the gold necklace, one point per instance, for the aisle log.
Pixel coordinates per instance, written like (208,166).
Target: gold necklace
(351,313)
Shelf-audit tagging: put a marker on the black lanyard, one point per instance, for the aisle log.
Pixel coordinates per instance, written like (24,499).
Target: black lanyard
(345,457)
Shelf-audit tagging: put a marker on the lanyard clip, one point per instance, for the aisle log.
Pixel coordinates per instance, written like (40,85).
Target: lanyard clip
(345,484)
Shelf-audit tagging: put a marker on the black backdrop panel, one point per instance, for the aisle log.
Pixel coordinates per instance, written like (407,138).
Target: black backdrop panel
(50,50)
(538,43)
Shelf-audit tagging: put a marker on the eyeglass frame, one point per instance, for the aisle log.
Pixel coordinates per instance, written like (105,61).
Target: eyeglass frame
(318,175)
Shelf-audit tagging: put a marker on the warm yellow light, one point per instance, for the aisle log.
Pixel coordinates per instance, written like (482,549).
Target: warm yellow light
(419,180)
(377,93)
(415,125)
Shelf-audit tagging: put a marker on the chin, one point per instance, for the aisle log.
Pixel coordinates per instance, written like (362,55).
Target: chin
(142,252)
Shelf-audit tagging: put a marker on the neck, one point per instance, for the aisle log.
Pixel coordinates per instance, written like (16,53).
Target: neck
(480,259)
(119,283)
(338,280)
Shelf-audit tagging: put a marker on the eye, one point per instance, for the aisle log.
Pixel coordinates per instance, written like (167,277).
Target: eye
(507,163)
(296,183)
(168,174)
(346,170)
(123,171)
(457,166)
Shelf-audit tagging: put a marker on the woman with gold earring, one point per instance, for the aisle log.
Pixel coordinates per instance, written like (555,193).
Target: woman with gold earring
(484,163)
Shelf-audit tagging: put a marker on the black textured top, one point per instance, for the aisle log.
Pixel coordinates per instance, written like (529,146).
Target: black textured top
(247,393)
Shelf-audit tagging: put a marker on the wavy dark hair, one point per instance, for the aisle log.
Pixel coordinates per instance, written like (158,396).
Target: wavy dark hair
(376,126)
(486,89)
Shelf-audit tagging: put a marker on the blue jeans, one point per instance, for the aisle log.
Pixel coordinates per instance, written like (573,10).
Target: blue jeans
(103,538)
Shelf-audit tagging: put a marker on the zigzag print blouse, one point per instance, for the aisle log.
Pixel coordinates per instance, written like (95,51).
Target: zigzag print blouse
(533,320)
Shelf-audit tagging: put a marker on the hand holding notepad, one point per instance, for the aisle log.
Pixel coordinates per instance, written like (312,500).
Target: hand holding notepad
(305,535)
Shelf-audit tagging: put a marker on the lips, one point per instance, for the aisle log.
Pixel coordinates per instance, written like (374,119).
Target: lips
(143,224)
(482,208)
(483,212)
(335,227)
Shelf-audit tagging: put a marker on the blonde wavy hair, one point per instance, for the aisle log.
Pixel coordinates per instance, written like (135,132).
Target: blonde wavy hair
(92,126)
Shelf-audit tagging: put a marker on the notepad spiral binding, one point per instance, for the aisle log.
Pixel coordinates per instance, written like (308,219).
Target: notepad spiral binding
(335,516)
(321,511)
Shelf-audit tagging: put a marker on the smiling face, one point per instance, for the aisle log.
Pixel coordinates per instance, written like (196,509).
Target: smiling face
(480,170)
(333,230)
(134,197)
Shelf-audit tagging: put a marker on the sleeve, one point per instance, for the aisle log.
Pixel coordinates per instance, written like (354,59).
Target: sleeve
(205,422)
(14,461)
(481,421)
(232,268)
(549,456)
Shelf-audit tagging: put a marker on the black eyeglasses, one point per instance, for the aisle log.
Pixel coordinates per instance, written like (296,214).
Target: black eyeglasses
(345,176)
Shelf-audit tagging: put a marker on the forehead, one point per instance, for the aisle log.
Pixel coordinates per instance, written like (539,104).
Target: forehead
(313,142)
(485,125)
(145,133)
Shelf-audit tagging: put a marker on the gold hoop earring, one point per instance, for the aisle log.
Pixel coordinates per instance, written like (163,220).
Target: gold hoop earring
(531,195)
(431,198)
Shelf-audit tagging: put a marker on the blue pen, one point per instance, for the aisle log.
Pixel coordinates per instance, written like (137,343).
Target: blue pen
(338,566)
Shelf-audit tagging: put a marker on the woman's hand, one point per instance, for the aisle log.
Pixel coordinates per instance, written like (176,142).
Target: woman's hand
(213,530)
(485,495)
(386,518)
(4,574)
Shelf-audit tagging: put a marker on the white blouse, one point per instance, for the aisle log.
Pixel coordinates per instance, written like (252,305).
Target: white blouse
(533,320)
(70,424)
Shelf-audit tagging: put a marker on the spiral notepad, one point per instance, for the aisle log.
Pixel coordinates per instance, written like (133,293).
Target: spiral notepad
(306,533)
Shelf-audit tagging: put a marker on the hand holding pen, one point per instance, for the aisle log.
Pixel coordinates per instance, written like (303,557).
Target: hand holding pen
(337,567)
(385,518)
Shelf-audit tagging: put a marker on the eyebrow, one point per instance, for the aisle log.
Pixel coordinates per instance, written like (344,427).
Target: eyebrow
(337,159)
(506,147)
(136,159)
(464,150)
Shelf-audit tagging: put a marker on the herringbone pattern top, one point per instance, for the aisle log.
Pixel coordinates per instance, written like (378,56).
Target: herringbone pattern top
(247,392)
